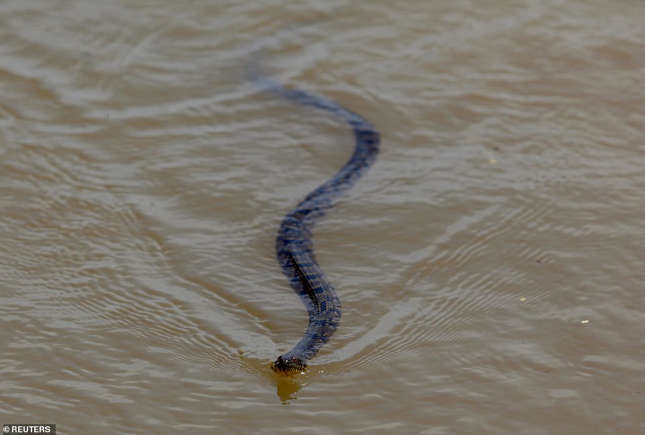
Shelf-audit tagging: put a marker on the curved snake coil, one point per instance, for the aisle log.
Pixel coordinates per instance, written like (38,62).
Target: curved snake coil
(294,247)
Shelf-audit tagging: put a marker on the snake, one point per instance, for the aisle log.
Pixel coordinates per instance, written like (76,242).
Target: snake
(294,246)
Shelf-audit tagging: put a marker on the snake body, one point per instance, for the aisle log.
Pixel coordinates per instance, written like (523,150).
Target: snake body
(294,246)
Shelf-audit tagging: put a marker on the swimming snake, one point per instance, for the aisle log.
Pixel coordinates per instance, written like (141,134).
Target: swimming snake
(294,247)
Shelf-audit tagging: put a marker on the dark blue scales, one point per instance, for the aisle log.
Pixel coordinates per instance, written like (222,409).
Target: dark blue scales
(294,246)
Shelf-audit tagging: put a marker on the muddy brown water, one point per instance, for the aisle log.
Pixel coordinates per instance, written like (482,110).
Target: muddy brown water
(491,264)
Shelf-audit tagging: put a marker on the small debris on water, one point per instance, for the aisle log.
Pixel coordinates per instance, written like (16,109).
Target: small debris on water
(584,322)
(522,299)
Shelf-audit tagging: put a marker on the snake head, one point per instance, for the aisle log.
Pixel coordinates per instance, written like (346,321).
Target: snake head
(288,365)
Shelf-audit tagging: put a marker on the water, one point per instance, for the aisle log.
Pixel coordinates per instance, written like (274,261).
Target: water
(490,264)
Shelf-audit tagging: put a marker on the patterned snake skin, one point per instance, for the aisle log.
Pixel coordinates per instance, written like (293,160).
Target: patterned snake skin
(294,247)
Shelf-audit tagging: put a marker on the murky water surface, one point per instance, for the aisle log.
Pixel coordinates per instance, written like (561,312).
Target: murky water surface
(490,264)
